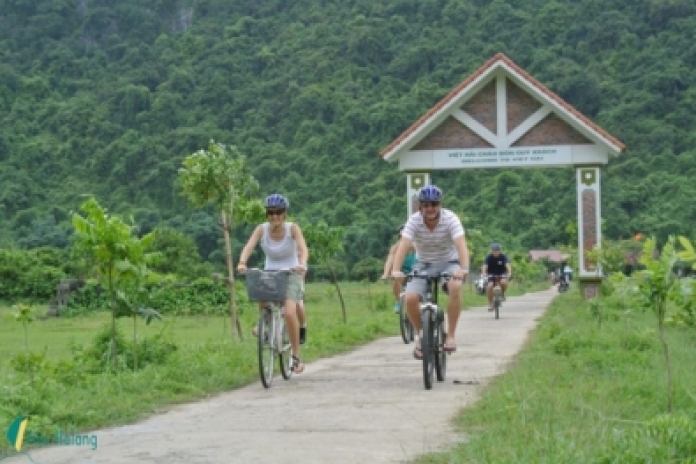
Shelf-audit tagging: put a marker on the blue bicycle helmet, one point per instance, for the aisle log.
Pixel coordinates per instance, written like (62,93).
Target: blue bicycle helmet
(495,246)
(430,193)
(276,200)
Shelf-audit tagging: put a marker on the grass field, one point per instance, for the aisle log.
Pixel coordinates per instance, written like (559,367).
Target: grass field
(65,394)
(584,393)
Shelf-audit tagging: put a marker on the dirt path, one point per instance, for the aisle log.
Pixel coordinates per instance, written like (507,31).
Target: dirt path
(365,406)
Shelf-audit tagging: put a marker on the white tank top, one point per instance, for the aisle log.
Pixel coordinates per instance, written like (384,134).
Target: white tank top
(280,254)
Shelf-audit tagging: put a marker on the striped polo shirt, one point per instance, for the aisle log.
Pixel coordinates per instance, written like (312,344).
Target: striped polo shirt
(436,246)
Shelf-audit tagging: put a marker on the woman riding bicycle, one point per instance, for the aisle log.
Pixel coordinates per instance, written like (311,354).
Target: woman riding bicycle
(284,247)
(406,267)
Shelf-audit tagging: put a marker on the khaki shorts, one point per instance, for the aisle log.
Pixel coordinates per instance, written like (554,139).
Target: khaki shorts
(419,285)
(295,288)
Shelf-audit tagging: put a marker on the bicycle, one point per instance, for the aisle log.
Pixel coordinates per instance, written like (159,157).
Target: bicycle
(273,339)
(563,284)
(407,332)
(433,325)
(497,294)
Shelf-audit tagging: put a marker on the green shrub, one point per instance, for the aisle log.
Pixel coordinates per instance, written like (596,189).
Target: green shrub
(97,357)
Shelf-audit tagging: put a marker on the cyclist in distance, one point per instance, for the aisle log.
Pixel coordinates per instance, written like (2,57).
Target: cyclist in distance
(438,236)
(284,247)
(406,267)
(495,265)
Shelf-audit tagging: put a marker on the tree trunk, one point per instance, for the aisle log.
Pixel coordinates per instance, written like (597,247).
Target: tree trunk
(234,320)
(135,343)
(338,290)
(114,345)
(660,321)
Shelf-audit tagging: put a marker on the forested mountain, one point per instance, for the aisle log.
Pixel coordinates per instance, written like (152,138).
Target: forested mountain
(106,98)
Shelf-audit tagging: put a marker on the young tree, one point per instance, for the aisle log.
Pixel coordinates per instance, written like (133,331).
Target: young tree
(658,284)
(326,243)
(117,254)
(220,175)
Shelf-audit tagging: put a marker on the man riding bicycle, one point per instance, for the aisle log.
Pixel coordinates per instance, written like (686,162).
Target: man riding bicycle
(438,237)
(497,267)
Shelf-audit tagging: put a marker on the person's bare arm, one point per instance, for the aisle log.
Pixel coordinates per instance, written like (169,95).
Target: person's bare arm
(388,263)
(401,250)
(463,252)
(302,250)
(249,247)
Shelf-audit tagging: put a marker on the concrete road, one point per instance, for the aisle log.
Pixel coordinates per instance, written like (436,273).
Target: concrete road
(368,406)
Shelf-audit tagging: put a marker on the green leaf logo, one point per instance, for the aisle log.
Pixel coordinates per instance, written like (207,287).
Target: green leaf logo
(15,434)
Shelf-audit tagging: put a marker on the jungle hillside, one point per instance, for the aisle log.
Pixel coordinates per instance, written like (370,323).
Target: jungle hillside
(107,98)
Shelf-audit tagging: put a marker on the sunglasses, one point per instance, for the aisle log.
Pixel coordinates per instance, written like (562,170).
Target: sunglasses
(432,204)
(275,212)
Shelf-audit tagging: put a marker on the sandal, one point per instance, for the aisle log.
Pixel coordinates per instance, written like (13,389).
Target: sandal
(449,347)
(297,365)
(417,352)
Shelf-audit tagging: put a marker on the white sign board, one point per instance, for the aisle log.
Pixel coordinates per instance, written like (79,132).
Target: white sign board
(505,157)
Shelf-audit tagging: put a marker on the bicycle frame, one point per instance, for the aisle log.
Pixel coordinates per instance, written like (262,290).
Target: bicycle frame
(272,340)
(433,320)
(497,290)
(277,319)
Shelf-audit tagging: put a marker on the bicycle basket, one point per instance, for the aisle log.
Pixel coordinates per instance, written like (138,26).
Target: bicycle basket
(266,286)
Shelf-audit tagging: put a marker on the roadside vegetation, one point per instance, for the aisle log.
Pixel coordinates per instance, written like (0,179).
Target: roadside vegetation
(601,381)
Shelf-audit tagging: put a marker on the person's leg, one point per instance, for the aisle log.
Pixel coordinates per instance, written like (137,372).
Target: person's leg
(301,316)
(255,330)
(396,288)
(489,294)
(294,295)
(412,296)
(293,327)
(503,286)
(302,320)
(454,307)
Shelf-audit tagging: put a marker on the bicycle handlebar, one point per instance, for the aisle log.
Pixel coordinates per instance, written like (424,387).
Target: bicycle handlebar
(434,276)
(268,271)
(497,277)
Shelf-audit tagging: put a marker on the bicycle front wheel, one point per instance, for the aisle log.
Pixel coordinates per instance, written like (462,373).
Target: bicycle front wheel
(265,347)
(285,352)
(496,301)
(440,355)
(427,348)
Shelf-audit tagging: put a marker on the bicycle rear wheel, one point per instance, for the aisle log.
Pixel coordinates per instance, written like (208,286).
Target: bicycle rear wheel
(405,324)
(265,345)
(440,355)
(427,349)
(285,353)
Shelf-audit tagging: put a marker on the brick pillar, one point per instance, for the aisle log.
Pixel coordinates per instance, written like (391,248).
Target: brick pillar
(589,229)
(414,182)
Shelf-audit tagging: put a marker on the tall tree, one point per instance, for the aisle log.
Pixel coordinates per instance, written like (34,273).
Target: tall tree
(220,175)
